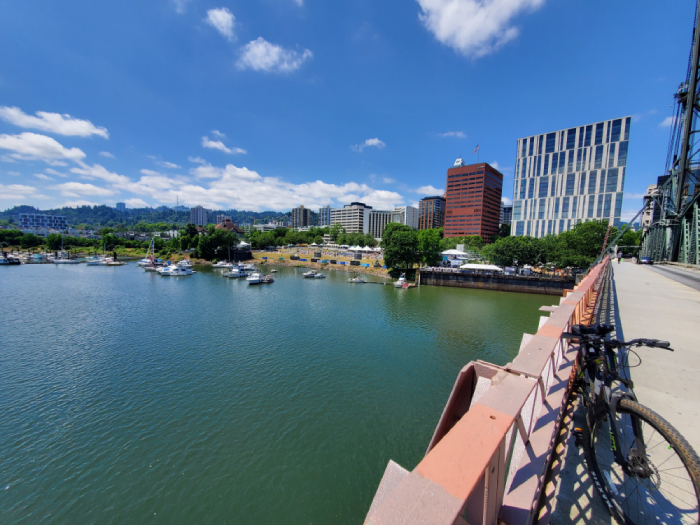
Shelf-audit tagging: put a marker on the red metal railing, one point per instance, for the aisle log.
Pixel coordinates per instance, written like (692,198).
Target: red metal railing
(488,458)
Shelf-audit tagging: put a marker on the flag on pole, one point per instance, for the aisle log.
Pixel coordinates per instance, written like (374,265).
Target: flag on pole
(476,149)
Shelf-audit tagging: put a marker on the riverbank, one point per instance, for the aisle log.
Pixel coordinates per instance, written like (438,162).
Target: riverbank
(273,258)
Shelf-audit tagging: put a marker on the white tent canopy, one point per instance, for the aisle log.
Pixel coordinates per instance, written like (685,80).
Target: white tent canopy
(453,252)
(484,267)
(313,244)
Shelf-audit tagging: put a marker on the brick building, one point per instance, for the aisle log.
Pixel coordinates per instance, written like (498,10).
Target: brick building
(473,200)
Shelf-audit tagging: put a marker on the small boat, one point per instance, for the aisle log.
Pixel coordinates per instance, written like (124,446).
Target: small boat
(311,274)
(185,263)
(319,276)
(268,279)
(8,260)
(114,262)
(273,271)
(95,261)
(256,278)
(249,268)
(64,260)
(235,272)
(357,280)
(175,271)
(401,282)
(222,264)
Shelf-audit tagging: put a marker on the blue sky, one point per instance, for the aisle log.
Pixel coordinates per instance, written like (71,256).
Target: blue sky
(276,103)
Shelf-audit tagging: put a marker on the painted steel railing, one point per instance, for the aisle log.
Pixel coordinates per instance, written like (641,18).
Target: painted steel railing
(489,455)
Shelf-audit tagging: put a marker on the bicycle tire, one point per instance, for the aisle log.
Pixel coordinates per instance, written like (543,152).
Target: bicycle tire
(669,495)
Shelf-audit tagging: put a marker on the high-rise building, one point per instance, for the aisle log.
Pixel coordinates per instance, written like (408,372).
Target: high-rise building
(354,217)
(648,214)
(473,200)
(221,217)
(407,215)
(378,219)
(570,176)
(431,213)
(506,214)
(198,216)
(38,220)
(301,217)
(324,216)
(121,207)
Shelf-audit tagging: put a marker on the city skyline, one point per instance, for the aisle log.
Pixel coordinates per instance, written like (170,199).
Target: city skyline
(246,110)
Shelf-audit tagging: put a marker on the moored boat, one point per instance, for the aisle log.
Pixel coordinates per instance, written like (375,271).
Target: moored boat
(256,278)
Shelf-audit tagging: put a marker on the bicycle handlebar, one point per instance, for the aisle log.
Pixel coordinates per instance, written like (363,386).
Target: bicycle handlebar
(595,334)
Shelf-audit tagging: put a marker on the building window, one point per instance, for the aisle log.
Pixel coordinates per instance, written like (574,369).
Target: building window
(570,183)
(627,128)
(531,189)
(601,186)
(592,181)
(606,207)
(539,145)
(551,142)
(540,211)
(549,227)
(599,213)
(591,206)
(579,156)
(571,138)
(522,189)
(611,156)
(552,187)
(556,208)
(598,163)
(523,150)
(616,129)
(532,145)
(544,186)
(555,158)
(622,154)
(618,204)
(574,206)
(565,208)
(599,133)
(519,227)
(517,210)
(570,155)
(611,186)
(561,226)
(582,185)
(589,132)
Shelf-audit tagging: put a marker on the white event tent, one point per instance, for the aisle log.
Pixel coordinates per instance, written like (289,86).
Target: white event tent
(453,252)
(484,267)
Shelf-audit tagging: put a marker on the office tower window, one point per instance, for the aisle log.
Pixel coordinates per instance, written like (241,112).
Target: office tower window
(592,181)
(606,206)
(574,204)
(598,163)
(599,212)
(570,156)
(539,165)
(532,145)
(628,120)
(618,205)
(616,129)
(611,156)
(565,208)
(546,165)
(551,142)
(599,133)
(570,183)
(589,132)
(539,145)
(556,208)
(531,189)
(544,187)
(524,148)
(555,158)
(571,138)
(622,154)
(601,186)
(519,228)
(579,156)
(611,186)
(582,185)
(540,211)
(591,206)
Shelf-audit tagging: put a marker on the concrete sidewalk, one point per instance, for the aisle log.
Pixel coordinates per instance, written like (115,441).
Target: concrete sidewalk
(654,306)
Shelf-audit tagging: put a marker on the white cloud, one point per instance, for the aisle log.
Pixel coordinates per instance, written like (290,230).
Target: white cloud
(387,180)
(43,177)
(180,5)
(54,172)
(16,191)
(106,154)
(222,20)
(628,215)
(166,164)
(52,123)
(136,203)
(495,165)
(430,190)
(457,134)
(32,146)
(668,122)
(217,133)
(15,173)
(374,143)
(197,160)
(474,28)
(76,189)
(506,201)
(261,55)
(217,144)
(96,171)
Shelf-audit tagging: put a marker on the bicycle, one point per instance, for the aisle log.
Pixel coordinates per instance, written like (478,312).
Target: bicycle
(643,469)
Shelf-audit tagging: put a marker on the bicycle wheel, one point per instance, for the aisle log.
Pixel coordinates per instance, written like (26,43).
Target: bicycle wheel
(669,491)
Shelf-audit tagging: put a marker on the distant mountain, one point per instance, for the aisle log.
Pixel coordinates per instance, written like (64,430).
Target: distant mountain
(101,216)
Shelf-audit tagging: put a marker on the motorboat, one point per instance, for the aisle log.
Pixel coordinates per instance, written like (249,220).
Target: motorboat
(236,272)
(185,263)
(357,280)
(249,268)
(311,274)
(222,264)
(401,282)
(175,271)
(268,279)
(95,261)
(65,260)
(8,260)
(319,276)
(115,262)
(273,271)
(256,278)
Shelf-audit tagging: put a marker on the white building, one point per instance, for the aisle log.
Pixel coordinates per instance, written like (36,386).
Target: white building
(198,216)
(407,215)
(354,217)
(570,176)
(324,216)
(37,220)
(648,215)
(378,220)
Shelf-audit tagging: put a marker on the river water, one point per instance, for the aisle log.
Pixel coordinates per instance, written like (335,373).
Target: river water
(127,397)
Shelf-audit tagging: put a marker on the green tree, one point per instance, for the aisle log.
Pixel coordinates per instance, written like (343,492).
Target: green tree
(53,241)
(370,240)
(191,230)
(400,245)
(505,252)
(335,231)
(29,240)
(429,246)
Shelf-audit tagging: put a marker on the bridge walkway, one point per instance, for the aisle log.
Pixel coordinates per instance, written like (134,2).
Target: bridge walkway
(660,302)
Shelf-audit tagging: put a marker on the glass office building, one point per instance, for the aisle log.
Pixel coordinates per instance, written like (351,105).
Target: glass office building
(570,176)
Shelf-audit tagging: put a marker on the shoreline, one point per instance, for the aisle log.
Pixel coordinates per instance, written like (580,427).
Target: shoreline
(378,272)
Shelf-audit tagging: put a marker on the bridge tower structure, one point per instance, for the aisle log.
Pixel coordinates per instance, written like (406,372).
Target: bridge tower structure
(674,235)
